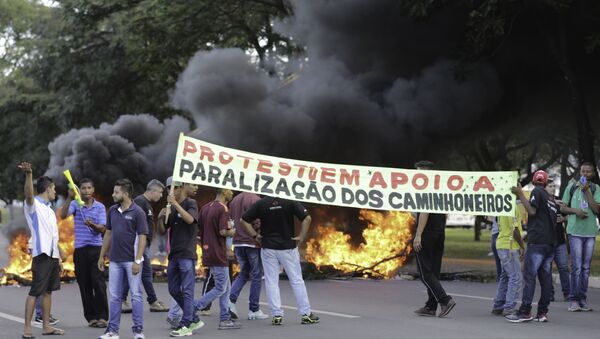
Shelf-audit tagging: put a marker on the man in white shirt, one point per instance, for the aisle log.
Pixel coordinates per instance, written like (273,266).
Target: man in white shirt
(46,265)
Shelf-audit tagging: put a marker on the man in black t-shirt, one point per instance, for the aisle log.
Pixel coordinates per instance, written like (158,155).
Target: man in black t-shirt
(153,193)
(280,247)
(541,235)
(429,248)
(182,230)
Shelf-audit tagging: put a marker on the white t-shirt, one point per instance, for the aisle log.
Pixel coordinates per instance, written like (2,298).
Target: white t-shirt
(41,220)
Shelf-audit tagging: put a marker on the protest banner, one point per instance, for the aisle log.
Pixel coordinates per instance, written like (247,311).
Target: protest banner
(381,188)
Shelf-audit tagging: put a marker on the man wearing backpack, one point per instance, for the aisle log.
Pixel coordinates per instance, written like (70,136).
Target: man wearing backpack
(581,205)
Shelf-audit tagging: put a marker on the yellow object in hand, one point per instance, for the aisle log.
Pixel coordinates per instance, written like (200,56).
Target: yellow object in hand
(74,187)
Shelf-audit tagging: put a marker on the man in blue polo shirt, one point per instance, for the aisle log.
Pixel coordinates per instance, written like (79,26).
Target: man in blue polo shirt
(125,236)
(90,221)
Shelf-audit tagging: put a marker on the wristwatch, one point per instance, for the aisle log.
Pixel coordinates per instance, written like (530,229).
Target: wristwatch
(138,261)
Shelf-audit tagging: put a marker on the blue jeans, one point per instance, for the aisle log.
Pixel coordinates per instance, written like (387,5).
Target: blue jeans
(561,258)
(117,272)
(538,262)
(582,249)
(146,279)
(496,258)
(221,290)
(250,269)
(182,281)
(510,280)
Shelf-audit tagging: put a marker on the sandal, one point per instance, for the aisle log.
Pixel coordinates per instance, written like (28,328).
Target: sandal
(101,323)
(55,331)
(93,323)
(28,336)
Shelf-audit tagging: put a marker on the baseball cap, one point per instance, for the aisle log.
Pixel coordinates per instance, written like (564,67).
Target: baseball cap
(175,183)
(540,177)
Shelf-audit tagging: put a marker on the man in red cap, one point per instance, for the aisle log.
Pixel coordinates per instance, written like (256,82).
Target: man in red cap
(541,236)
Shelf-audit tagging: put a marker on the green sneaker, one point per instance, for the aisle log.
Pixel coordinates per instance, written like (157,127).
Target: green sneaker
(310,319)
(181,332)
(277,320)
(196,325)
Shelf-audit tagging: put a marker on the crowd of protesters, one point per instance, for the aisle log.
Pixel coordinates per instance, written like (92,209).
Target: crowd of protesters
(259,233)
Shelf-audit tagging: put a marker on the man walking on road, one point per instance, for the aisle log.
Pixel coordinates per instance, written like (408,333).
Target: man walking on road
(247,252)
(429,247)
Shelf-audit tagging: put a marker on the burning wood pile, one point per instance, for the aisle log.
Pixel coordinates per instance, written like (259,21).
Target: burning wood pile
(18,270)
(385,247)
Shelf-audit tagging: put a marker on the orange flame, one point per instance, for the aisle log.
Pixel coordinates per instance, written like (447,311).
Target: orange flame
(20,259)
(387,235)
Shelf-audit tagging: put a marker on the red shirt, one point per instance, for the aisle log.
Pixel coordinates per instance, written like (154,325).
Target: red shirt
(213,218)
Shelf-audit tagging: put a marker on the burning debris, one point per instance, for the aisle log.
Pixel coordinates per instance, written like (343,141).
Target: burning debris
(387,243)
(19,266)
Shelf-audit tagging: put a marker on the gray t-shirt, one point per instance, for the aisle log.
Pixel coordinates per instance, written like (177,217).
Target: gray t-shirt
(125,226)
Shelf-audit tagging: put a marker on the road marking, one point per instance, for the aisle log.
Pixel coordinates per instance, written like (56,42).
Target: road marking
(342,315)
(489,299)
(17,319)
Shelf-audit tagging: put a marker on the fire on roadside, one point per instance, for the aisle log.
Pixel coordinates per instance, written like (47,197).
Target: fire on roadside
(19,265)
(387,242)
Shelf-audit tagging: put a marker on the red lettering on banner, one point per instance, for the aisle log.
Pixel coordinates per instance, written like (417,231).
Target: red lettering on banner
(328,175)
(422,177)
(455,187)
(284,168)
(399,179)
(246,160)
(205,151)
(377,179)
(347,178)
(301,169)
(312,173)
(223,159)
(264,166)
(483,182)
(436,181)
(189,147)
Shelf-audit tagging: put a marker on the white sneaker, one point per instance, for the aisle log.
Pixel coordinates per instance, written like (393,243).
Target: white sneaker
(233,310)
(109,335)
(138,336)
(258,315)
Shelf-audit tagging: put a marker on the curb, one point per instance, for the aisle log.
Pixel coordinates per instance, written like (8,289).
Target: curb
(593,282)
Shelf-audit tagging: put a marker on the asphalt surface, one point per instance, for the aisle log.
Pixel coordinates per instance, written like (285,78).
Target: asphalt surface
(348,309)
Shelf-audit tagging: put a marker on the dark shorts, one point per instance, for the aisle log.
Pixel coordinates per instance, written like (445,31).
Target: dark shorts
(46,275)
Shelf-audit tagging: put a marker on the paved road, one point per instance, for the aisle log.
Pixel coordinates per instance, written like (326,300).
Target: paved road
(354,309)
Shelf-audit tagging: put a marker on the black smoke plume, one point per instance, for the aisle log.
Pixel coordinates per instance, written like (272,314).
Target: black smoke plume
(137,147)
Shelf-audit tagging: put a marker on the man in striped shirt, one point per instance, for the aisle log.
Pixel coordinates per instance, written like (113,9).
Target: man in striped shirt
(90,221)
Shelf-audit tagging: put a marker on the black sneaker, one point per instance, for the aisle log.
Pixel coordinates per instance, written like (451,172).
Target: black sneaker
(446,308)
(51,321)
(310,319)
(519,317)
(277,320)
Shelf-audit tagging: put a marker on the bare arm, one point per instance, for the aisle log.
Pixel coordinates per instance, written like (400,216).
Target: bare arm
(519,239)
(184,214)
(421,223)
(518,191)
(64,210)
(104,249)
(26,168)
(227,232)
(304,229)
(141,246)
(250,230)
(591,202)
